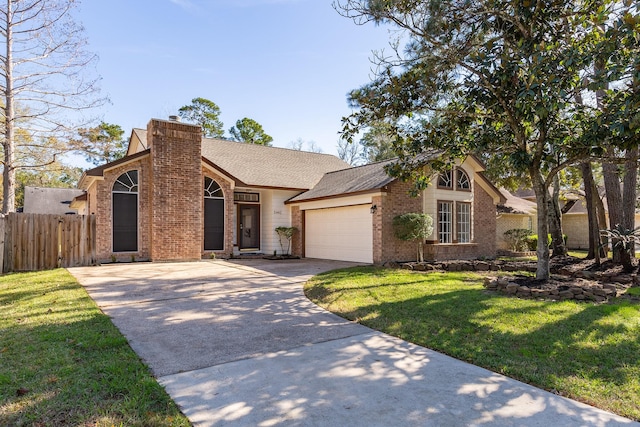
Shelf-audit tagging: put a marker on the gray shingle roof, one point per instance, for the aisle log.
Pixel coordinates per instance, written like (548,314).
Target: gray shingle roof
(41,200)
(516,205)
(348,181)
(256,165)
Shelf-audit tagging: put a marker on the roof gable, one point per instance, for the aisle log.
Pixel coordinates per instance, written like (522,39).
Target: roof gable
(348,181)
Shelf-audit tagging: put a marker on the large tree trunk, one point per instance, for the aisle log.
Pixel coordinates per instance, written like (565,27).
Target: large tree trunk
(602,221)
(629,195)
(614,199)
(555,221)
(542,202)
(592,216)
(9,171)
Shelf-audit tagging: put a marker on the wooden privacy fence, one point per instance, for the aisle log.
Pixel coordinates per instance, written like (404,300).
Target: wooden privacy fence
(32,242)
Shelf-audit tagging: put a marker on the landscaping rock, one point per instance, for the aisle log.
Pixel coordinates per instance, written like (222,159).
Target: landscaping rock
(511,288)
(566,294)
(583,274)
(624,279)
(418,266)
(599,292)
(481,266)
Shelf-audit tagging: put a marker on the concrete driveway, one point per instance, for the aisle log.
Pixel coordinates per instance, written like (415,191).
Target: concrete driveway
(237,343)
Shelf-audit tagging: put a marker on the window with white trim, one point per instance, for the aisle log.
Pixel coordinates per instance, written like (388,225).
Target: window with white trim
(445,222)
(463,223)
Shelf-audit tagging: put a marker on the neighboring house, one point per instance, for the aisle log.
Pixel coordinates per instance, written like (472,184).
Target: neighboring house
(520,210)
(56,201)
(177,196)
(575,223)
(514,213)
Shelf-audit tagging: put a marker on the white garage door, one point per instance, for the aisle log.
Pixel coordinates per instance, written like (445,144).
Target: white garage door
(344,234)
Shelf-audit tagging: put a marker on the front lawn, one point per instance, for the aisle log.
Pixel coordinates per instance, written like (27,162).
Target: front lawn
(584,351)
(63,363)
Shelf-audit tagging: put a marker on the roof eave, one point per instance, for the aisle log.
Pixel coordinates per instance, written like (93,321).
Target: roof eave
(336,196)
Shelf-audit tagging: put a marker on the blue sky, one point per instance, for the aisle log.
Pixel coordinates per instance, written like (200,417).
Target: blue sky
(287,64)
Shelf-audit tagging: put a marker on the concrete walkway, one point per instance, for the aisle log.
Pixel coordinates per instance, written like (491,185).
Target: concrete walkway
(237,343)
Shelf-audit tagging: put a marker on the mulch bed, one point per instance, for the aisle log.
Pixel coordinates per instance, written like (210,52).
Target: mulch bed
(572,278)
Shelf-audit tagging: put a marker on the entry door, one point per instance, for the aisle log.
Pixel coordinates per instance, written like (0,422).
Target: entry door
(249,227)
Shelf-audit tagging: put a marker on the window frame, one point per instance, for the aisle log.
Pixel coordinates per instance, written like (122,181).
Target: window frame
(450,232)
(462,172)
(465,228)
(216,195)
(133,189)
(449,186)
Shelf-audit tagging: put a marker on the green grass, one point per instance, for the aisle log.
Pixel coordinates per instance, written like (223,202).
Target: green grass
(578,253)
(584,351)
(63,363)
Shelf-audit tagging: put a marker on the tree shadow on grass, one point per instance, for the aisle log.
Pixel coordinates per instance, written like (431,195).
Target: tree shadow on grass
(584,351)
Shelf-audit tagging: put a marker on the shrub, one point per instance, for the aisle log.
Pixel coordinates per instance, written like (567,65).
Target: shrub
(413,226)
(532,241)
(516,238)
(285,234)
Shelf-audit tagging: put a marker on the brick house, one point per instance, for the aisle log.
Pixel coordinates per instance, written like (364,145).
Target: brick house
(178,196)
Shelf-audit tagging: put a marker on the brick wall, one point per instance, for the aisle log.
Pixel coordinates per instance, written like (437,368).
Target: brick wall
(100,203)
(484,222)
(297,242)
(395,202)
(177,228)
(229,213)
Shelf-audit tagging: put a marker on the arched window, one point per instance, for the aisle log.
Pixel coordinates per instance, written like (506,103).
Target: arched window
(462,180)
(445,179)
(213,216)
(124,196)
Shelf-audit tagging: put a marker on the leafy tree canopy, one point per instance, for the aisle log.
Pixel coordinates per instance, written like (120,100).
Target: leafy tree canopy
(377,143)
(249,131)
(205,113)
(101,144)
(495,77)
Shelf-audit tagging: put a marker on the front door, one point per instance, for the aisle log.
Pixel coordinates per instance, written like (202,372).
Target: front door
(249,227)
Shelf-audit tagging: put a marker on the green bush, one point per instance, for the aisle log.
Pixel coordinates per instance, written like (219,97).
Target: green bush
(413,227)
(532,241)
(517,239)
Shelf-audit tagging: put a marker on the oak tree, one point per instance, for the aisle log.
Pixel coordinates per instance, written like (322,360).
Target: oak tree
(491,76)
